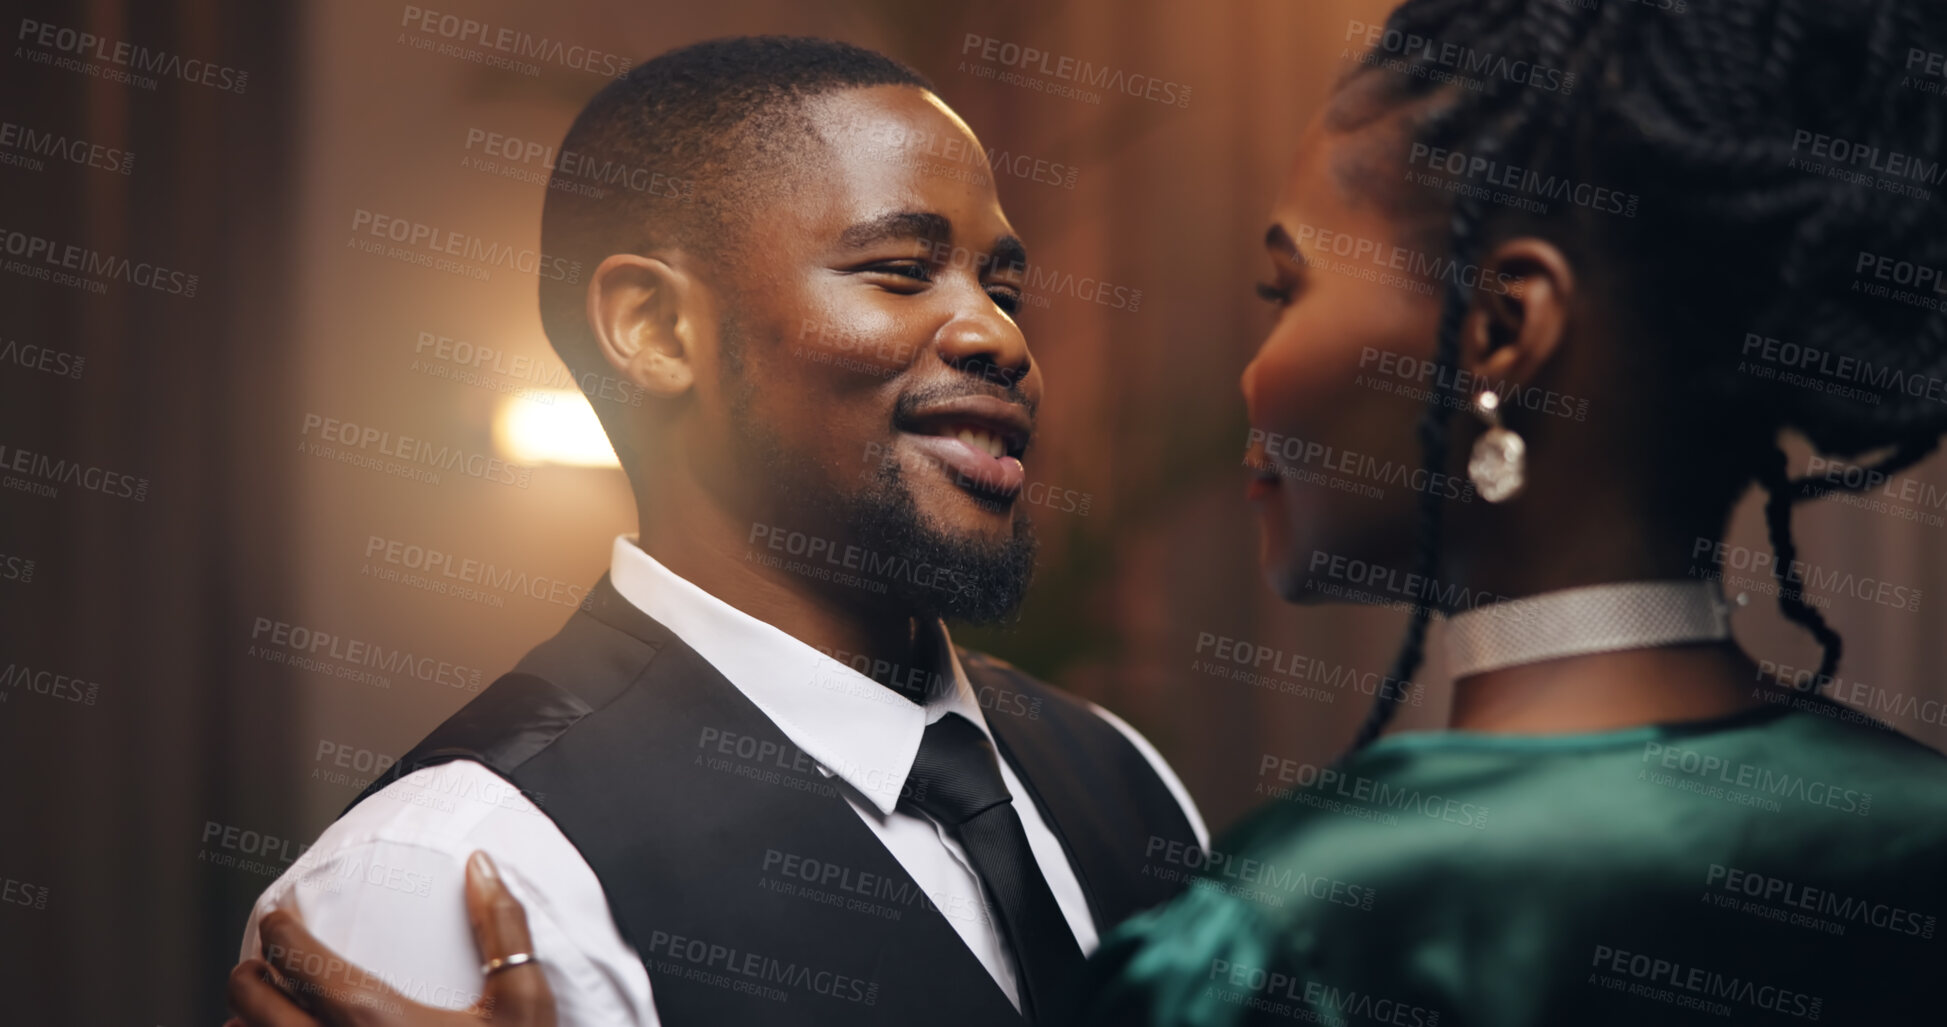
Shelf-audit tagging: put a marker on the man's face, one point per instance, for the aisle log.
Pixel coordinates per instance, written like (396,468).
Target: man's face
(879,394)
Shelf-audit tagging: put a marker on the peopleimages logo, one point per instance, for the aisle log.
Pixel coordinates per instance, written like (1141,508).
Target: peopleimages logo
(21,893)
(409,457)
(1926,70)
(1033,61)
(43,474)
(1398,266)
(754,973)
(1359,790)
(308,648)
(1288,452)
(1849,160)
(1820,901)
(1247,660)
(505,44)
(1285,995)
(1523,182)
(846,563)
(859,891)
(351,759)
(1799,575)
(28,143)
(1681,984)
(41,358)
(16,568)
(1383,43)
(566,170)
(953,148)
(76,46)
(429,246)
(1842,368)
(67,263)
(1920,285)
(1738,781)
(1166,855)
(444,572)
(65,687)
(1850,692)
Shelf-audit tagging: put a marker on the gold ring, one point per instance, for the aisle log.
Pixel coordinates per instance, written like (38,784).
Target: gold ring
(494,966)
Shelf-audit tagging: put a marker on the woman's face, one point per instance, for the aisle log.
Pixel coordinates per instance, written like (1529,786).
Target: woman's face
(1336,389)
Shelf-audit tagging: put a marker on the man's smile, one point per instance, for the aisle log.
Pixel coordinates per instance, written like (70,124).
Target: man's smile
(978,440)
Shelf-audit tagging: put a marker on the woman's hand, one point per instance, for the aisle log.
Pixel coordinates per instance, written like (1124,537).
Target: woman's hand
(304,984)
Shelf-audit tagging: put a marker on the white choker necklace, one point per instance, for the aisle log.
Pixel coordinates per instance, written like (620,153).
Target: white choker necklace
(1580,621)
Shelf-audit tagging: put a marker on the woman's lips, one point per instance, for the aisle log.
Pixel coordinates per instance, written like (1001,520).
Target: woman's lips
(971,468)
(1264,478)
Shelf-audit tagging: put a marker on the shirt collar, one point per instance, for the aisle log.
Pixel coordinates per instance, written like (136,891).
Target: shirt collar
(855,728)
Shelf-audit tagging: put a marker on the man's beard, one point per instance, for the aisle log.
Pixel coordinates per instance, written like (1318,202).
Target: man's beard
(901,557)
(974,581)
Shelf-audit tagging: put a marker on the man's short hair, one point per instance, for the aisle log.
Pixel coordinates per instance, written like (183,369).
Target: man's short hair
(670,155)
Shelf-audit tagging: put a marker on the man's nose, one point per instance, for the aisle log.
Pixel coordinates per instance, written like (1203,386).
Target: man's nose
(987,342)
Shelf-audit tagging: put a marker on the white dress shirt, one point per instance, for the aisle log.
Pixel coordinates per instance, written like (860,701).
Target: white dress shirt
(382,885)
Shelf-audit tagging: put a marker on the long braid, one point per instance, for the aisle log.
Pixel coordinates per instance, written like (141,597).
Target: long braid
(1469,213)
(1433,445)
(1774,474)
(1782,492)
(1909,453)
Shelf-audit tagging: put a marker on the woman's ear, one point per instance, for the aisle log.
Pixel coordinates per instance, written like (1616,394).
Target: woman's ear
(643,313)
(1520,316)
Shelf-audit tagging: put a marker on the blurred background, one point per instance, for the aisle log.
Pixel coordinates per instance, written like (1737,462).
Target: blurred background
(191,578)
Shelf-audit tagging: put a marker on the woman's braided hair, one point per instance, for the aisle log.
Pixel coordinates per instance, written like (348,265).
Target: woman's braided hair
(1709,114)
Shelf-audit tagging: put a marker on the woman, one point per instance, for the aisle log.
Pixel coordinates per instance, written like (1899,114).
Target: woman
(1625,822)
(1592,227)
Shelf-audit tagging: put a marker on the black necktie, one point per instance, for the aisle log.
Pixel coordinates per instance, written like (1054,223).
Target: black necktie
(956,780)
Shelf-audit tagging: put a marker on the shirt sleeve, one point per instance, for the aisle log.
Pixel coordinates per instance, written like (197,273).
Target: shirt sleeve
(383,888)
(1162,768)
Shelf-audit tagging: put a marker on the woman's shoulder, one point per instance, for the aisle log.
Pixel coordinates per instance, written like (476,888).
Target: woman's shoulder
(1873,742)
(1767,849)
(1423,831)
(1449,800)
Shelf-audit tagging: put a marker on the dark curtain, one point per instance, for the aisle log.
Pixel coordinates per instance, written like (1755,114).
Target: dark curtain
(130,702)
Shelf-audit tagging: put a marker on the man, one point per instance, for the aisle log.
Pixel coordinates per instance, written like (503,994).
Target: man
(710,815)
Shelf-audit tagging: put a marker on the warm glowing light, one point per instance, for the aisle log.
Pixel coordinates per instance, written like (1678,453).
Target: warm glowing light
(551,426)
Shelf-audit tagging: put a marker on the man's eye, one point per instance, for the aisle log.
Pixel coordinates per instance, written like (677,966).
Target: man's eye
(1275,294)
(905,269)
(1006,299)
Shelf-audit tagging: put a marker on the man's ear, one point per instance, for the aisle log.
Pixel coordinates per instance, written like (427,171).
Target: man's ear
(1520,316)
(645,314)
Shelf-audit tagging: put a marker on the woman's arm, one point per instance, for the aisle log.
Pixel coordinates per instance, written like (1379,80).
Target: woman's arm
(300,982)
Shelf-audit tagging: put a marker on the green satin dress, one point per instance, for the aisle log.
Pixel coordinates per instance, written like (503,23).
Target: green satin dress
(1780,865)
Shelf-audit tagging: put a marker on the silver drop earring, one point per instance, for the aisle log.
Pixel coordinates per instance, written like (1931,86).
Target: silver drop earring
(1498,464)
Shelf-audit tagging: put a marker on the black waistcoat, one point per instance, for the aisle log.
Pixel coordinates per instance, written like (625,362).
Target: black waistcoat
(750,888)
